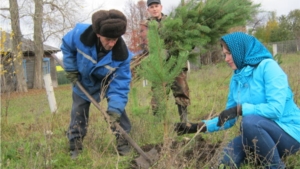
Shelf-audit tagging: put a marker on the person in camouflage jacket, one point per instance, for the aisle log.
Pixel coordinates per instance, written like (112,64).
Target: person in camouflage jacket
(179,87)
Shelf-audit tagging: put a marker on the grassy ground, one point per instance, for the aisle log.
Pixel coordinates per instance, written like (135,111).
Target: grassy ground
(32,137)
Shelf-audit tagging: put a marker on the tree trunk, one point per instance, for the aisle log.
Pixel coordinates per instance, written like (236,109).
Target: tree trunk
(16,51)
(38,45)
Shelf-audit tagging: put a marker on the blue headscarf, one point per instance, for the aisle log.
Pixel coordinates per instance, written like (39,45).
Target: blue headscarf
(245,49)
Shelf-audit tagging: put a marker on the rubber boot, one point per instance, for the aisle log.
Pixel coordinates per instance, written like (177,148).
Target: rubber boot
(75,147)
(122,145)
(182,110)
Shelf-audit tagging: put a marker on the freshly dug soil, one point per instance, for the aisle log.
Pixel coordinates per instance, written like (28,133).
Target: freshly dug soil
(197,153)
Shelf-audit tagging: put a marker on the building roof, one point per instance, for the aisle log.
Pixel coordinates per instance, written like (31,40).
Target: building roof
(27,45)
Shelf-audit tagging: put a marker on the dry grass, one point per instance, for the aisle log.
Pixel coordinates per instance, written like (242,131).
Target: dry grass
(32,137)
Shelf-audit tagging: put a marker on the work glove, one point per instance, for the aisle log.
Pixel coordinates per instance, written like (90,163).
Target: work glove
(186,128)
(73,76)
(113,118)
(229,114)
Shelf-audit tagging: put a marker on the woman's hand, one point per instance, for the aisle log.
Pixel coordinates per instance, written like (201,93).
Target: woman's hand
(229,114)
(186,128)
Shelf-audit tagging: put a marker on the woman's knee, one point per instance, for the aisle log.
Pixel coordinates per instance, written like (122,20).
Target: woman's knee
(248,122)
(251,123)
(251,127)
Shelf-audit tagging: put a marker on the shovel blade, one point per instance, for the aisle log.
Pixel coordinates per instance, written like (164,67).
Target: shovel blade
(144,163)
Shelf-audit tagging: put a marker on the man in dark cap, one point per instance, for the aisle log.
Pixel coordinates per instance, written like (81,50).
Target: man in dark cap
(97,56)
(155,10)
(179,87)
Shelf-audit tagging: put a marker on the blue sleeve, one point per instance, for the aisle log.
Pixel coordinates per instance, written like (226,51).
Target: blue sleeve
(211,125)
(69,52)
(276,92)
(117,93)
(230,100)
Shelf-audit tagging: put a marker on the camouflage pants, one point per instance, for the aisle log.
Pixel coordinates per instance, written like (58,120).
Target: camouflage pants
(180,90)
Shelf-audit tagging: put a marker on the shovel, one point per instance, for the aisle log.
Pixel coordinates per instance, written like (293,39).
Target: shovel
(146,159)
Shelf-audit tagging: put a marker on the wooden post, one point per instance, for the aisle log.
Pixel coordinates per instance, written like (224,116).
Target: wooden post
(188,66)
(50,93)
(145,83)
(274,49)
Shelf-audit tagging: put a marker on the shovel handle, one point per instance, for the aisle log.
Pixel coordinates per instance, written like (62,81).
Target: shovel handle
(96,104)
(123,132)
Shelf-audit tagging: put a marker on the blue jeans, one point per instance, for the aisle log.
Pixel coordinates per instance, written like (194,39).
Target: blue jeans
(265,139)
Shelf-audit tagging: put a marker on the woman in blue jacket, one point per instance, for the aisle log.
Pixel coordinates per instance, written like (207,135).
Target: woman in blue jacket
(260,93)
(97,57)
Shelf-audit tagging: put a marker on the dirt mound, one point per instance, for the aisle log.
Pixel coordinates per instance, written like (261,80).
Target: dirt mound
(184,153)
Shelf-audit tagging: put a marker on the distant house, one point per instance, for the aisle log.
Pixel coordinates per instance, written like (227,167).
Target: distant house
(8,80)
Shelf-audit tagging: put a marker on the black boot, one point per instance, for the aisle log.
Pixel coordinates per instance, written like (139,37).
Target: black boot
(75,147)
(122,145)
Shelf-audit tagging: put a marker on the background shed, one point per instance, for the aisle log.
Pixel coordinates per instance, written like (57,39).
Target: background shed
(8,80)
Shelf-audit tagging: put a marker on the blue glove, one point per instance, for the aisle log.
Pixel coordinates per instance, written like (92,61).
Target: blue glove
(211,125)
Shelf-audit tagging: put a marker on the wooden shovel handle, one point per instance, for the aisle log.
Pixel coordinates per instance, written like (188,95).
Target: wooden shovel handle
(123,132)
(96,104)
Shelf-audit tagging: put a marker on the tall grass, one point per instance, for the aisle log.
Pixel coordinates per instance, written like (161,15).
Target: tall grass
(32,137)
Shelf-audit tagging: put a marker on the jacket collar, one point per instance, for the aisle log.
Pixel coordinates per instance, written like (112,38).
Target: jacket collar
(119,51)
(163,16)
(243,75)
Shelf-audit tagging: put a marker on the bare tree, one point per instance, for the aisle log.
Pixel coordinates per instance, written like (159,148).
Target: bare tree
(257,21)
(60,16)
(17,47)
(135,13)
(50,20)
(38,44)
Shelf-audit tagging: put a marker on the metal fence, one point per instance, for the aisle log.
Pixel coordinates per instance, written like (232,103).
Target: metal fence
(291,46)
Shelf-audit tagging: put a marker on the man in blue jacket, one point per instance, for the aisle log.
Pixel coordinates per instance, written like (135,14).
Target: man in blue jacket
(97,57)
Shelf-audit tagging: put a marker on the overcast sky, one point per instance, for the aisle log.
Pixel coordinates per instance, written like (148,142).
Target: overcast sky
(282,7)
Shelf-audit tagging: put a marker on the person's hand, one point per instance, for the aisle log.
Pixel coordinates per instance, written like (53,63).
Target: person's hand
(73,76)
(186,128)
(211,124)
(113,117)
(229,114)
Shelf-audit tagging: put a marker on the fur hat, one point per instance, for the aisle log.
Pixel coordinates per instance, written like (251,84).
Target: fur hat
(111,24)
